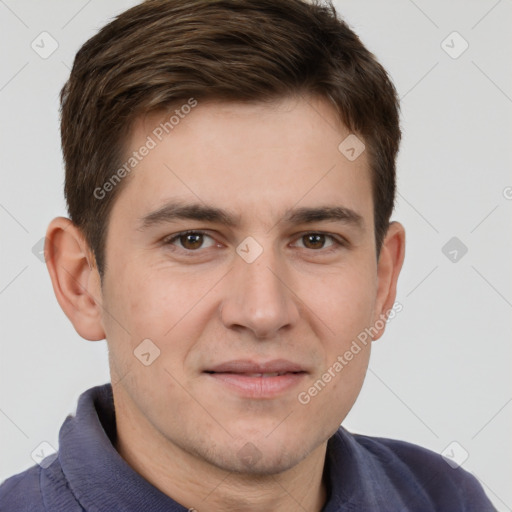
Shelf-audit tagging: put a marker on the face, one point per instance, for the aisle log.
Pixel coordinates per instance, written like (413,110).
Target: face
(242,246)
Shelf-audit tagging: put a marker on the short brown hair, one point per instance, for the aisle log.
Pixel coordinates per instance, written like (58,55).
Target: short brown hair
(163,52)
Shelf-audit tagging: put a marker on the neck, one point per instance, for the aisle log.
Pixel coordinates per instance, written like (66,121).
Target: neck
(203,487)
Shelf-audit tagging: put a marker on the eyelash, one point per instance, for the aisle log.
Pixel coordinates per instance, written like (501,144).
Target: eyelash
(337,242)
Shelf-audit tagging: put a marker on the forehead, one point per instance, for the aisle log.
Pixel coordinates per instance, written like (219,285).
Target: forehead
(248,157)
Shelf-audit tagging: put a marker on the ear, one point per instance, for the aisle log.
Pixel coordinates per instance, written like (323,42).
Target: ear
(388,269)
(75,278)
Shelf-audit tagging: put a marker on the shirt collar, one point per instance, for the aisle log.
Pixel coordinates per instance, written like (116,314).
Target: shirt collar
(98,476)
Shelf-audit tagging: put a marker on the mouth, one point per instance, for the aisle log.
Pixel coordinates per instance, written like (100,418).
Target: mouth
(264,375)
(258,380)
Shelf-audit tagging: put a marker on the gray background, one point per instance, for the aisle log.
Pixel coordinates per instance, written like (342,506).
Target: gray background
(441,373)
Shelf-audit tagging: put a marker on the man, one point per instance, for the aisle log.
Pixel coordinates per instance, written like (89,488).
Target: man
(230,177)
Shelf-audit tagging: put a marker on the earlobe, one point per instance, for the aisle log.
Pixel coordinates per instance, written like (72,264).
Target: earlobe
(75,277)
(388,269)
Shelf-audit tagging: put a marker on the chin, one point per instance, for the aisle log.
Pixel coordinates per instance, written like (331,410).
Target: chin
(257,459)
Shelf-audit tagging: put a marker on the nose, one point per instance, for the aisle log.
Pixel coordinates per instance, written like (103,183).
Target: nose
(260,297)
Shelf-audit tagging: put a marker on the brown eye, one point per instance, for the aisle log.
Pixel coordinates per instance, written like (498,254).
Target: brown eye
(191,241)
(318,241)
(313,240)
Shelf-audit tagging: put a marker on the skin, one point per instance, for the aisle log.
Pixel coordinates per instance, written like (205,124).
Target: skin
(300,300)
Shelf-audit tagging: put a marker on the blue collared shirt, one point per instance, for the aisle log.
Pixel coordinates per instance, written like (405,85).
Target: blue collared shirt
(364,474)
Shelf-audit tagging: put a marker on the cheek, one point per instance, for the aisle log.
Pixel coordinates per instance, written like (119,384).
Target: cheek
(152,302)
(149,307)
(347,305)
(136,307)
(346,302)
(160,305)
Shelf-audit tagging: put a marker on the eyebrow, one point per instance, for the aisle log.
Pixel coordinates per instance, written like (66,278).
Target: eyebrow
(305,215)
(173,211)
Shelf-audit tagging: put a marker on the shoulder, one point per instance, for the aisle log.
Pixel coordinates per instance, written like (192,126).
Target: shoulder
(22,492)
(38,489)
(406,464)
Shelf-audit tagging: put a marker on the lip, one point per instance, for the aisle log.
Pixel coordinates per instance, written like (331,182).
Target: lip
(252,379)
(249,366)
